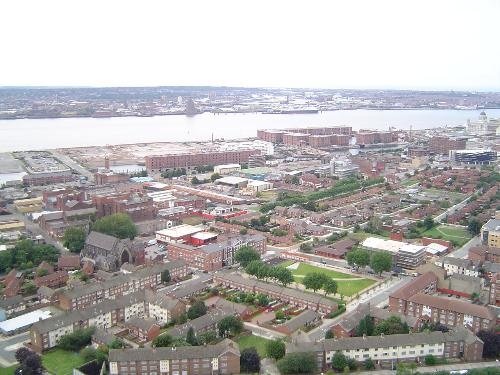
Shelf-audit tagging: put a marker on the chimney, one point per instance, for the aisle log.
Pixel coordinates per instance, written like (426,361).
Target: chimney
(106,162)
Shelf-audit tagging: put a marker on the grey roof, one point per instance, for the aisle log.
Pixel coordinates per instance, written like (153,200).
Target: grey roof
(184,352)
(11,302)
(101,240)
(46,291)
(305,317)
(123,278)
(142,323)
(491,267)
(199,324)
(160,299)
(491,225)
(188,289)
(102,336)
(459,262)
(230,307)
(285,292)
(349,343)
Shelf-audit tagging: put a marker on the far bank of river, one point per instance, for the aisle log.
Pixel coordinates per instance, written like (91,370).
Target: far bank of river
(37,134)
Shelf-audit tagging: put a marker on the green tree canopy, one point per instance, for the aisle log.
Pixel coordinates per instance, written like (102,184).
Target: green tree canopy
(298,363)
(196,310)
(74,239)
(330,286)
(381,261)
(250,360)
(314,280)
(275,349)
(391,326)
(245,254)
(230,325)
(474,226)
(77,339)
(118,225)
(358,257)
(191,337)
(283,275)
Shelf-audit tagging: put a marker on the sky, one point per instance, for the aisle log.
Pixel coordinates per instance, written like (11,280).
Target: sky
(386,44)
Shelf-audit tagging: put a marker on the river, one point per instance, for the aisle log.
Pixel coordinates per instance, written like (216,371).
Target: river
(36,134)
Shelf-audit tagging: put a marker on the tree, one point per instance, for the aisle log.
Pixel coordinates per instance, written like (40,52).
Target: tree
(430,360)
(28,288)
(191,337)
(243,231)
(42,272)
(280,315)
(207,337)
(330,286)
(165,276)
(31,365)
(381,261)
(22,353)
(314,280)
(117,225)
(391,326)
(74,239)
(358,257)
(305,247)
(491,348)
(368,364)
(298,363)
(249,360)
(246,254)
(162,341)
(230,325)
(283,275)
(116,344)
(474,226)
(329,334)
(428,223)
(275,349)
(195,181)
(76,340)
(215,176)
(365,326)
(339,361)
(88,353)
(196,310)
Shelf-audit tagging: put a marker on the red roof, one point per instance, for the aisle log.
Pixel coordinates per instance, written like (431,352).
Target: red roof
(415,286)
(68,261)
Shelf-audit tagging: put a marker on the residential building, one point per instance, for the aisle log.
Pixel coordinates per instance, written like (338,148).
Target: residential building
(443,145)
(459,265)
(52,280)
(142,329)
(11,306)
(139,206)
(484,253)
(222,358)
(68,262)
(426,283)
(291,296)
(490,232)
(227,168)
(123,284)
(459,343)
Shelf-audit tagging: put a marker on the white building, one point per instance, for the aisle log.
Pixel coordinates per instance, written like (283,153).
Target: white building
(227,168)
(343,169)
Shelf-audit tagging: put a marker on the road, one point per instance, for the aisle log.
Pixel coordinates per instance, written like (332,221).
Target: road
(8,347)
(434,369)
(452,209)
(375,296)
(73,165)
(463,252)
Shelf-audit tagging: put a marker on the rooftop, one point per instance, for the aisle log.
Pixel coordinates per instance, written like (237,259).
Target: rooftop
(180,231)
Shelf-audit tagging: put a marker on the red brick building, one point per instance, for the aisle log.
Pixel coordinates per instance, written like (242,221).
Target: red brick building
(53,280)
(484,253)
(443,145)
(137,205)
(143,329)
(161,163)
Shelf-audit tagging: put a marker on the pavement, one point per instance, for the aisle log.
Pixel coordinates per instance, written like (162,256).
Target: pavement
(433,369)
(8,347)
(375,296)
(268,367)
(73,165)
(463,252)
(263,332)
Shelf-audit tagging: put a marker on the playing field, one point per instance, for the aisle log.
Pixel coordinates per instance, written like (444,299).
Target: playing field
(248,341)
(457,235)
(348,285)
(8,370)
(61,362)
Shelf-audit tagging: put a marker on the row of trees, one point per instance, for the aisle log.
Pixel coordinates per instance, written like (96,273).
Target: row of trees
(318,280)
(264,271)
(26,254)
(390,326)
(379,261)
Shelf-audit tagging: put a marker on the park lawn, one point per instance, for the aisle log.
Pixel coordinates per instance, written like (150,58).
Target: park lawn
(259,343)
(352,287)
(446,193)
(362,235)
(287,263)
(268,195)
(61,362)
(304,268)
(409,182)
(8,370)
(458,236)
(192,220)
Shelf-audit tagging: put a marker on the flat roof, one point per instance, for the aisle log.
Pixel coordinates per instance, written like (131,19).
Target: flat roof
(231,180)
(409,248)
(234,165)
(204,235)
(382,244)
(180,231)
(24,320)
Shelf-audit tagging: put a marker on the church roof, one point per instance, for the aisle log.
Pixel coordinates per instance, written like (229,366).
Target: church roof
(101,240)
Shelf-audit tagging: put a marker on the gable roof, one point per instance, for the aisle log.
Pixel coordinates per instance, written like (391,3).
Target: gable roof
(101,240)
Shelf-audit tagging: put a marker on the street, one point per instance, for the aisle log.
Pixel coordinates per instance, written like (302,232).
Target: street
(8,347)
(463,252)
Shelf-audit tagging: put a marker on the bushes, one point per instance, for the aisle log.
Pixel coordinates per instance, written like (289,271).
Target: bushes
(250,360)
(275,349)
(196,310)
(76,340)
(298,363)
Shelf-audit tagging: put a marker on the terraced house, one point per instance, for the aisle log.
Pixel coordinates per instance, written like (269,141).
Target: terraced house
(222,358)
(142,304)
(77,298)
(459,343)
(291,296)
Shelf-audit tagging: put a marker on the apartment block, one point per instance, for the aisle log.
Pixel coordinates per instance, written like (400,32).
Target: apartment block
(222,358)
(443,145)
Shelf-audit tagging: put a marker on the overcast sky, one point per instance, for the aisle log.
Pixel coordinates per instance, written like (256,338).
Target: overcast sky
(420,44)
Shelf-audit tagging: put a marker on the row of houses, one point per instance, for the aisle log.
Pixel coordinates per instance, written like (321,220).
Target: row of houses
(416,299)
(76,298)
(459,343)
(162,309)
(294,297)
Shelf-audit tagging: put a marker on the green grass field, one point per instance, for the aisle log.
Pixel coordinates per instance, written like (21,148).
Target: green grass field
(409,182)
(257,342)
(192,220)
(61,362)
(458,236)
(348,285)
(287,263)
(304,268)
(8,370)
(362,235)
